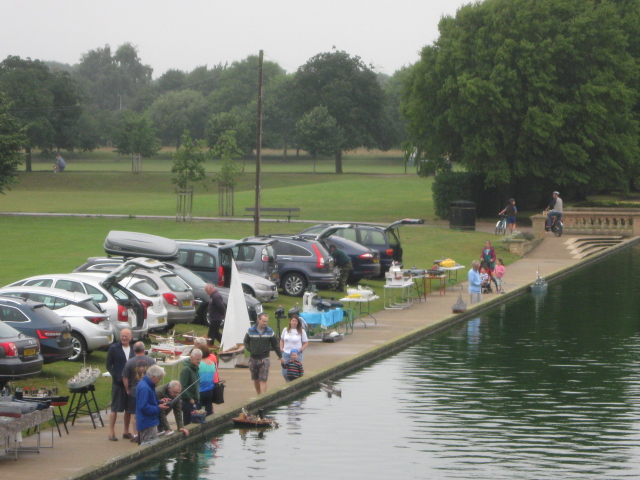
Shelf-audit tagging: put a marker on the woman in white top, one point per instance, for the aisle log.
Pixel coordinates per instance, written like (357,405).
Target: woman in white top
(293,337)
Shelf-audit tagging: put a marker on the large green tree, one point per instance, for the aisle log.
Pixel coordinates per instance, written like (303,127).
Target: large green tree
(318,132)
(533,91)
(11,141)
(174,112)
(136,135)
(351,93)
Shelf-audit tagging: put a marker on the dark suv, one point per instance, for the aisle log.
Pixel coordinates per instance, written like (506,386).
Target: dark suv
(301,261)
(386,240)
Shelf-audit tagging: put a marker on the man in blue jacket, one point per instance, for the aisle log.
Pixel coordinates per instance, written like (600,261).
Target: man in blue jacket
(475,282)
(147,407)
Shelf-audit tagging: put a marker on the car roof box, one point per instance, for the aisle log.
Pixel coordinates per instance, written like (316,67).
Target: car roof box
(134,244)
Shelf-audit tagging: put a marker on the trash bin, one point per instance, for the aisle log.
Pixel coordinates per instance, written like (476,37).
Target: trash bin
(462,215)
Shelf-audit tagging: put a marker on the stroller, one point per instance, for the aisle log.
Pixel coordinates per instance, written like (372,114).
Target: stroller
(486,286)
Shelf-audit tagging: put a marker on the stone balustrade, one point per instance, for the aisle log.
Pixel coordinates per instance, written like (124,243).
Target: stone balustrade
(594,221)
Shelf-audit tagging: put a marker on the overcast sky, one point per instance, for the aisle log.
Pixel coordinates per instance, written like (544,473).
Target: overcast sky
(184,34)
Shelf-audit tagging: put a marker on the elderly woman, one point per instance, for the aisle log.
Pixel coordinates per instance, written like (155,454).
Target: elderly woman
(147,407)
(189,379)
(293,337)
(208,372)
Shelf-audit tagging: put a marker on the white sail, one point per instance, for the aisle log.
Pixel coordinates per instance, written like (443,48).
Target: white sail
(236,321)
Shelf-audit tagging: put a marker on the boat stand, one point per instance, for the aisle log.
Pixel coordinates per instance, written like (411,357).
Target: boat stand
(83,402)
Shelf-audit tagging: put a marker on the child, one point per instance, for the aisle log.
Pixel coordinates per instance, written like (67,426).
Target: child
(485,279)
(294,367)
(499,273)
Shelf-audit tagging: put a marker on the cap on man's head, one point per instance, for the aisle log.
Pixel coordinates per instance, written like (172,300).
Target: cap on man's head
(556,193)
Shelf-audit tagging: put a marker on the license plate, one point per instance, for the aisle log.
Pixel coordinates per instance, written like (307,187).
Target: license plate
(186,303)
(66,335)
(29,351)
(376,260)
(161,320)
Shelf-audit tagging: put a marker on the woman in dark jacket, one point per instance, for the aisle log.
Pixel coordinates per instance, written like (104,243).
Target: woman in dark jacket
(190,378)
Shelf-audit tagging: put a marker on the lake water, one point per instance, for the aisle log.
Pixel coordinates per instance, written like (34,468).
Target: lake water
(540,388)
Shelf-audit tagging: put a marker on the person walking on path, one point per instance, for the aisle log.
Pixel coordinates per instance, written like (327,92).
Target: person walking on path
(189,378)
(117,356)
(165,394)
(147,406)
(133,372)
(259,340)
(510,210)
(293,337)
(216,311)
(344,267)
(475,283)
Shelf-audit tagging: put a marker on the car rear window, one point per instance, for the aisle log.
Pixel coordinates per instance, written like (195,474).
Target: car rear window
(51,317)
(41,282)
(286,248)
(144,288)
(12,314)
(7,331)
(175,283)
(373,237)
(191,278)
(118,293)
(91,305)
(49,300)
(204,260)
(97,295)
(245,253)
(348,233)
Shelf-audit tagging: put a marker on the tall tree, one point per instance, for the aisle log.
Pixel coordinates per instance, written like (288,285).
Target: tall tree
(136,135)
(11,141)
(221,123)
(533,91)
(175,112)
(318,132)
(351,93)
(188,162)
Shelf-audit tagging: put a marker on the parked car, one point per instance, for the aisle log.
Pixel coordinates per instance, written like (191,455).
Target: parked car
(176,295)
(195,283)
(301,262)
(34,319)
(91,326)
(256,262)
(119,302)
(365,262)
(19,355)
(386,240)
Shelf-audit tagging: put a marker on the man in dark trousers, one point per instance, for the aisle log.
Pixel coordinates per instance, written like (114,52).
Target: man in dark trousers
(117,357)
(133,372)
(343,261)
(216,312)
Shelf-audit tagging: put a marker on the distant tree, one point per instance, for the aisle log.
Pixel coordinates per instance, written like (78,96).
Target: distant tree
(278,115)
(135,135)
(171,80)
(527,92)
(47,105)
(393,89)
(318,132)
(351,93)
(189,161)
(11,141)
(221,123)
(174,112)
(227,149)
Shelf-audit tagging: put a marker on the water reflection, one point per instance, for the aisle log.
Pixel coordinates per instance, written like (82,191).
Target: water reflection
(530,390)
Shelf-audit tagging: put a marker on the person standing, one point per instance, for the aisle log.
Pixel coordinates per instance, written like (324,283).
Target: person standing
(293,337)
(147,406)
(216,311)
(60,163)
(207,372)
(189,379)
(510,211)
(475,282)
(343,261)
(133,372)
(554,209)
(165,394)
(259,340)
(500,271)
(117,357)
(488,255)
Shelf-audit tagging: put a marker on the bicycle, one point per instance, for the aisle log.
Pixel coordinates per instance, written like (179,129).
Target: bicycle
(557,226)
(501,226)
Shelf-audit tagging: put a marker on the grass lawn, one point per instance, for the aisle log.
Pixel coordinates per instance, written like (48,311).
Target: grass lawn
(39,245)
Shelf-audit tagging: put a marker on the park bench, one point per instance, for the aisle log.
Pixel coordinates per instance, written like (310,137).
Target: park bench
(275,212)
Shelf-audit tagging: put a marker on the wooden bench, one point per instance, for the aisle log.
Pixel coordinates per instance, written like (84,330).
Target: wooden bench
(280,212)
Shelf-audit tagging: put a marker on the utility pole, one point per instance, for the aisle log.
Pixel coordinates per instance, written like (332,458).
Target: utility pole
(256,218)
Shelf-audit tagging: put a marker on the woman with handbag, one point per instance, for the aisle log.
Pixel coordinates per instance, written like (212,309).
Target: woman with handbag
(293,337)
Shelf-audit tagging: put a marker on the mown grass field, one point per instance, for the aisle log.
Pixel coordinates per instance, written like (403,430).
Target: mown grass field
(34,245)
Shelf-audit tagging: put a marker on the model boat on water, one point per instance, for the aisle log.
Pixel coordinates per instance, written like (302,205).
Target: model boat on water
(539,285)
(460,306)
(87,376)
(254,421)
(236,323)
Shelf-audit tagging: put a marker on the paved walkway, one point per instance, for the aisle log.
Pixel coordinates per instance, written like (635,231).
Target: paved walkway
(76,455)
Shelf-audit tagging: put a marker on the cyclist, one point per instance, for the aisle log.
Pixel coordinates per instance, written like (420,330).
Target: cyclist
(554,209)
(510,210)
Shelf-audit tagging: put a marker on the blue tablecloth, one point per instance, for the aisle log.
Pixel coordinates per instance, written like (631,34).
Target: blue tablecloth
(326,319)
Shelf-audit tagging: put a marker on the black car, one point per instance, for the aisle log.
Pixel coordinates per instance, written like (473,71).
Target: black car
(301,262)
(38,321)
(19,355)
(384,239)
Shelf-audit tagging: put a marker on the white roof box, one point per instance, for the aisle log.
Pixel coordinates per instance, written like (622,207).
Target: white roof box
(134,244)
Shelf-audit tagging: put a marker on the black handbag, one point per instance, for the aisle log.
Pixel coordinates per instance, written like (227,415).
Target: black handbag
(218,392)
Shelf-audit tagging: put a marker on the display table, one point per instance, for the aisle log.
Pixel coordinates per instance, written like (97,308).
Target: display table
(11,427)
(452,280)
(357,304)
(442,283)
(324,320)
(83,402)
(398,296)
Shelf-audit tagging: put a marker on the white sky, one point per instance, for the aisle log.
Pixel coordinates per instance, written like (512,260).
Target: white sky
(184,34)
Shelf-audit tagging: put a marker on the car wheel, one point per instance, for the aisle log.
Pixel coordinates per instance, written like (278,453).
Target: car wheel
(294,284)
(248,290)
(79,347)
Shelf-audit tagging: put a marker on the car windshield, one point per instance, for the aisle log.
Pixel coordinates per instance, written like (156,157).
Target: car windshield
(7,331)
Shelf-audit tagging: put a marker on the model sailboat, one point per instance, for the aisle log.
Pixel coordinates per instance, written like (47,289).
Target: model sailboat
(236,323)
